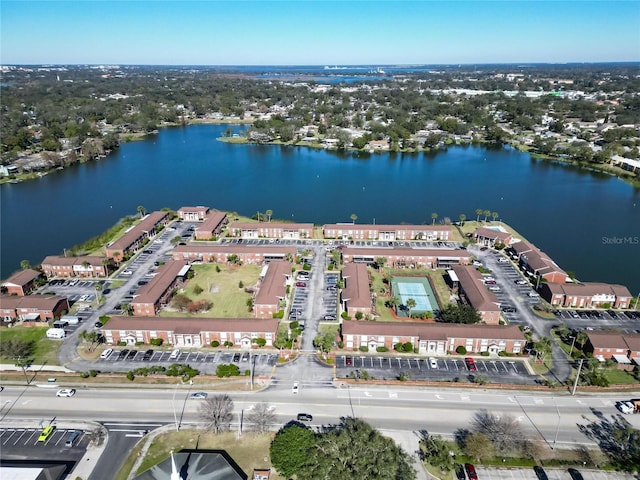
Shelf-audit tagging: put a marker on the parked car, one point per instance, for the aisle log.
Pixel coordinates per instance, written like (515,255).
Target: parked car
(305,417)
(540,473)
(471,471)
(575,474)
(123,354)
(46,433)
(106,353)
(147,355)
(471,364)
(66,392)
(433,363)
(460,475)
(301,284)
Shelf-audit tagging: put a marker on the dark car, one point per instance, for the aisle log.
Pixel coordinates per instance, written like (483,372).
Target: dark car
(132,354)
(575,474)
(460,472)
(122,354)
(305,417)
(147,355)
(142,282)
(471,471)
(98,324)
(236,357)
(540,473)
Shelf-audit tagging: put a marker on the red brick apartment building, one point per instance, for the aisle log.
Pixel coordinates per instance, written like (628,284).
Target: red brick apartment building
(272,290)
(356,296)
(351,231)
(32,308)
(586,295)
(255,255)
(536,263)
(158,292)
(212,225)
(134,237)
(190,332)
(407,257)
(193,214)
(606,345)
(433,338)
(489,237)
(472,289)
(284,231)
(21,283)
(84,266)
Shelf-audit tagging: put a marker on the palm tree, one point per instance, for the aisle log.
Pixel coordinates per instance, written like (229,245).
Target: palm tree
(462,217)
(269,213)
(394,302)
(141,210)
(478,213)
(434,216)
(486,213)
(411,304)
(494,215)
(354,217)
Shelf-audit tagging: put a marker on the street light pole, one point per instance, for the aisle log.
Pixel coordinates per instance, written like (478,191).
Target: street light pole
(575,384)
(555,439)
(173,402)
(572,344)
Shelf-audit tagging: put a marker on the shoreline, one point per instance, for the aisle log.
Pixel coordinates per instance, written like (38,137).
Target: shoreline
(610,170)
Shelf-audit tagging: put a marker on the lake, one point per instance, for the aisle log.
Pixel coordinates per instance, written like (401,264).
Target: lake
(588,222)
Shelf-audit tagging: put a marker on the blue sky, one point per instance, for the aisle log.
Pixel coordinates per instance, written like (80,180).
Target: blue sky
(317,32)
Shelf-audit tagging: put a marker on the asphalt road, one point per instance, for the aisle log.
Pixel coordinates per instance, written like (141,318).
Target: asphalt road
(440,411)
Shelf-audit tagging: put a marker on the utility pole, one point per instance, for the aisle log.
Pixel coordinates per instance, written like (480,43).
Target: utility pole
(575,384)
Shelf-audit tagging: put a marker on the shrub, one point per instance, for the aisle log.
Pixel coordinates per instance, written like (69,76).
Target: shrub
(139,343)
(485,354)
(198,290)
(345,316)
(364,348)
(306,267)
(278,314)
(359,315)
(382,349)
(240,284)
(122,344)
(340,344)
(398,347)
(93,373)
(156,341)
(408,347)
(130,376)
(84,375)
(228,344)
(215,343)
(461,350)
(247,372)
(227,370)
(261,342)
(217,268)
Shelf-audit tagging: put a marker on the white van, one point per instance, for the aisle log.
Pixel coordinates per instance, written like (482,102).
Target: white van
(106,353)
(70,319)
(56,333)
(175,354)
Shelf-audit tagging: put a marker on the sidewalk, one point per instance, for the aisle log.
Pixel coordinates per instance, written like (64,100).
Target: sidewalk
(409,443)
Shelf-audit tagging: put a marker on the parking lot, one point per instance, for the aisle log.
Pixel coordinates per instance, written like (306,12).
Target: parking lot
(488,473)
(124,359)
(21,443)
(419,368)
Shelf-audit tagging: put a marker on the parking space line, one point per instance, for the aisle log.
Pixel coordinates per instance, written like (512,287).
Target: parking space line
(34,432)
(61,437)
(21,435)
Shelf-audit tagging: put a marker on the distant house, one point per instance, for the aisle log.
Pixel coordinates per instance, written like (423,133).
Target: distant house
(611,345)
(378,145)
(21,283)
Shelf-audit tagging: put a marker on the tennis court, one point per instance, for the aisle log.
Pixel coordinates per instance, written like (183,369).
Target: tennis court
(417,288)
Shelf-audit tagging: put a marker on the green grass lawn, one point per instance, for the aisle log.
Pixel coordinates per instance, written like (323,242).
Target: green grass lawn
(221,288)
(45,350)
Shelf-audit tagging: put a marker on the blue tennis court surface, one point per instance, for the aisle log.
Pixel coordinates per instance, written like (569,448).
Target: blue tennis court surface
(417,288)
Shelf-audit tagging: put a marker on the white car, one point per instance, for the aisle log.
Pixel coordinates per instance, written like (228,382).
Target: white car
(625,407)
(127,272)
(66,392)
(106,353)
(294,390)
(433,363)
(199,395)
